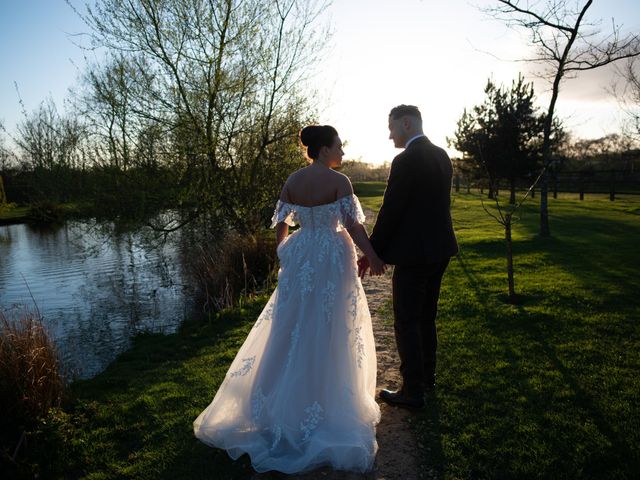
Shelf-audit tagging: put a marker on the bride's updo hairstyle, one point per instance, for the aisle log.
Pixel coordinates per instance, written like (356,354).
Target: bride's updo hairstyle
(314,137)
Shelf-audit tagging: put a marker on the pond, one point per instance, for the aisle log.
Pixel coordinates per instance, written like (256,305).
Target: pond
(94,288)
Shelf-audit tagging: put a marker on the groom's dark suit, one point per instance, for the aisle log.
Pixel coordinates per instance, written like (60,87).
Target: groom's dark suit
(414,232)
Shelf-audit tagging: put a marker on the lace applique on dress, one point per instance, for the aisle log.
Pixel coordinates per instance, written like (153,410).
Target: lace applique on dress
(311,422)
(276,431)
(353,304)
(247,365)
(358,345)
(305,276)
(257,404)
(295,334)
(267,314)
(328,297)
(350,211)
(284,212)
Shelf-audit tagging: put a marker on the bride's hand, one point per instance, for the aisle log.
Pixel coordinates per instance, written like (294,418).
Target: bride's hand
(363,266)
(377,266)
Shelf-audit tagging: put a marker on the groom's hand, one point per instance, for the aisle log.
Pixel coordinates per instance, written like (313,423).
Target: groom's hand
(363,266)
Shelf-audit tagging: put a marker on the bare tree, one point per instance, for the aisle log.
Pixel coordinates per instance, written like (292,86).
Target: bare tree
(507,216)
(48,140)
(5,153)
(566,44)
(105,104)
(222,79)
(628,96)
(3,166)
(49,145)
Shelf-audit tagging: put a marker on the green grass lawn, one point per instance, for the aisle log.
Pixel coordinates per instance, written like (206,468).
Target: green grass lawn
(548,388)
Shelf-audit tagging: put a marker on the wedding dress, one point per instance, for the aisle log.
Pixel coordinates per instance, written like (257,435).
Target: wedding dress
(300,392)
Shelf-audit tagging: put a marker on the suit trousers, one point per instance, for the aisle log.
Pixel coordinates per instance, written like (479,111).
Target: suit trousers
(415,304)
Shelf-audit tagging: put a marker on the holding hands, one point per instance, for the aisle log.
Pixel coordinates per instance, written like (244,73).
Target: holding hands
(374,264)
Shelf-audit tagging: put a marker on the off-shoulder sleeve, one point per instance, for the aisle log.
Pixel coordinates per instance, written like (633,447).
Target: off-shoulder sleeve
(284,212)
(350,211)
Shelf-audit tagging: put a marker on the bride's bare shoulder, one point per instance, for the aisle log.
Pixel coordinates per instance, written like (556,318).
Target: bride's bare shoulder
(343,184)
(292,184)
(299,174)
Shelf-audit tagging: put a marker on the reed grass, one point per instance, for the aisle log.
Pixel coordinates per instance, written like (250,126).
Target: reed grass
(234,268)
(32,379)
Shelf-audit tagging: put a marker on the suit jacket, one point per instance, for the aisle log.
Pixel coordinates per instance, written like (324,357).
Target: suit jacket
(414,223)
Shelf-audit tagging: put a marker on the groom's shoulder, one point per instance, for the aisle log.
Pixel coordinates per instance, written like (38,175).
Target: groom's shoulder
(406,156)
(439,150)
(402,157)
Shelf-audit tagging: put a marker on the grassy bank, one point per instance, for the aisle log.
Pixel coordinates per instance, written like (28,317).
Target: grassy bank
(13,215)
(547,388)
(39,213)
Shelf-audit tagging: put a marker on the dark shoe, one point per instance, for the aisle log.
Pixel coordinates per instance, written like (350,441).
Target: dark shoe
(399,399)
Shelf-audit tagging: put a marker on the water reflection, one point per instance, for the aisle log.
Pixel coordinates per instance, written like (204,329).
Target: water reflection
(95,289)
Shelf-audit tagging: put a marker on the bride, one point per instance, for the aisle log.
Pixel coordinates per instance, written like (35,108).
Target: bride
(300,392)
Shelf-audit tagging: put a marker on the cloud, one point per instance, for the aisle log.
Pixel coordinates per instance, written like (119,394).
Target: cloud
(591,86)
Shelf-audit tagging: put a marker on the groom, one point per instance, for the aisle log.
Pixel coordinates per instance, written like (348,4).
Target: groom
(414,232)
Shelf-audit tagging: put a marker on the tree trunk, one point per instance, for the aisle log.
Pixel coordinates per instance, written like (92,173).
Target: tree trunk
(512,187)
(544,206)
(3,196)
(507,237)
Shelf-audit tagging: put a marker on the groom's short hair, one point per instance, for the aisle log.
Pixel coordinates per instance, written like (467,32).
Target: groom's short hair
(402,110)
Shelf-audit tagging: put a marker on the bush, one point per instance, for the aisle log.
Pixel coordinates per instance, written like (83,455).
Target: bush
(46,211)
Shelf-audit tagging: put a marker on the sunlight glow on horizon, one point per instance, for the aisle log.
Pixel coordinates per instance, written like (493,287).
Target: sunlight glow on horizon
(438,61)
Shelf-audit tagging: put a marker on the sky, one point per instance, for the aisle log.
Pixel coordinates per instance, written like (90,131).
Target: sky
(433,54)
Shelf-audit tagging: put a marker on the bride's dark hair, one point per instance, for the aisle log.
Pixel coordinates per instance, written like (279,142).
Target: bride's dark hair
(314,137)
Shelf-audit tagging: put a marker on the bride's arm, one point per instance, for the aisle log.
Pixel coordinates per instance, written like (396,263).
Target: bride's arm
(282,230)
(361,239)
(359,234)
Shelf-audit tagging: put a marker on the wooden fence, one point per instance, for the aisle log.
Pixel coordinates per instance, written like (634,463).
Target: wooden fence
(581,183)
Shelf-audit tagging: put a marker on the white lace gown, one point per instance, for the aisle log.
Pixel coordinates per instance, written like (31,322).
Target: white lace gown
(300,392)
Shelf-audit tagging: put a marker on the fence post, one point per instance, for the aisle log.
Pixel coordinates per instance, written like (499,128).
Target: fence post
(581,184)
(555,185)
(457,183)
(533,192)
(612,192)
